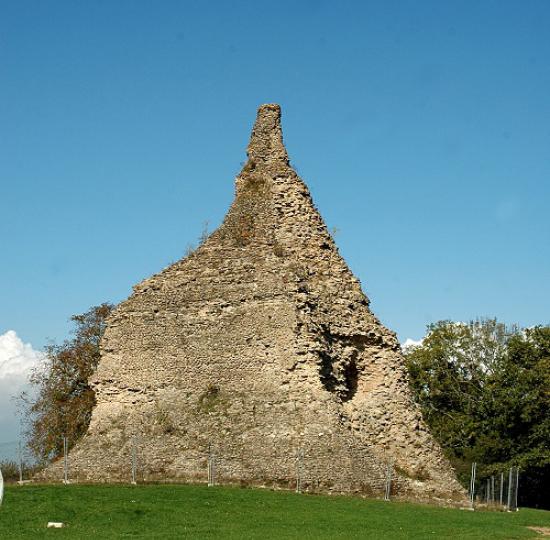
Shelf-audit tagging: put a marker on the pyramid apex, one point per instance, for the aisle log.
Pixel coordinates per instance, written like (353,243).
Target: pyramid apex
(270,107)
(266,141)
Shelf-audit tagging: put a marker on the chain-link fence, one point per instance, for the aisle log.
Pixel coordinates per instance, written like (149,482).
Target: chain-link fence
(496,490)
(305,469)
(20,465)
(302,471)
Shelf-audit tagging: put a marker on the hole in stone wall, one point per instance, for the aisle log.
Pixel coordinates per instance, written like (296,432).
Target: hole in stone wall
(338,369)
(344,382)
(351,376)
(325,372)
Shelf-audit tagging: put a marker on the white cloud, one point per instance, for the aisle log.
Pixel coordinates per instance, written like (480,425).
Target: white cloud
(410,343)
(16,358)
(16,362)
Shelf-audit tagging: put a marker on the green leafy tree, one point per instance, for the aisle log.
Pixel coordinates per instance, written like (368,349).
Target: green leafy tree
(448,373)
(484,390)
(516,427)
(62,400)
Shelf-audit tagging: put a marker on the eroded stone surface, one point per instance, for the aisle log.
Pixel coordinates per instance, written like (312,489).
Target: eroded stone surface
(259,344)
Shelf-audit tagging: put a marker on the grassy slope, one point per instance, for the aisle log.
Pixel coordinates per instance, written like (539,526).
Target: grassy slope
(180,511)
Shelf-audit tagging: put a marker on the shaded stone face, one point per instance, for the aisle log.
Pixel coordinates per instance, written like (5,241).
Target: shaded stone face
(258,346)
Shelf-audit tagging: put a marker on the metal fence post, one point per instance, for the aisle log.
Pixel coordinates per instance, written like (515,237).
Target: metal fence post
(517,487)
(20,464)
(134,461)
(214,468)
(211,467)
(501,488)
(473,484)
(389,470)
(65,460)
(510,474)
(299,466)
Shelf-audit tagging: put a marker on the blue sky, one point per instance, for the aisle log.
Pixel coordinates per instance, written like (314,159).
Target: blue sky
(421,128)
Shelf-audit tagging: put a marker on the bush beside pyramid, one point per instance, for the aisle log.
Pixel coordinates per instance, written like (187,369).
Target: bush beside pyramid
(260,349)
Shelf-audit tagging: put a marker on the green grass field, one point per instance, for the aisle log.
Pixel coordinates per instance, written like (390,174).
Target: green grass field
(185,511)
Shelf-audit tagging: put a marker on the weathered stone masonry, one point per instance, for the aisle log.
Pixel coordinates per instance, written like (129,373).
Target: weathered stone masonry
(260,343)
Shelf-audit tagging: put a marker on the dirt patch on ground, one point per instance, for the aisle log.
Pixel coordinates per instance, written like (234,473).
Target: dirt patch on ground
(545,531)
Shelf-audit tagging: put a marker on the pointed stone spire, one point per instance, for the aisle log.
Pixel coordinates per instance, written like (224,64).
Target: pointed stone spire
(266,142)
(259,343)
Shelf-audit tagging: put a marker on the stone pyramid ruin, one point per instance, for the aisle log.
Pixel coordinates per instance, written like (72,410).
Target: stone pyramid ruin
(257,361)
